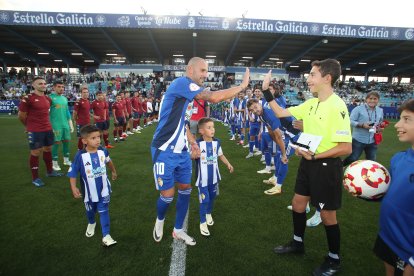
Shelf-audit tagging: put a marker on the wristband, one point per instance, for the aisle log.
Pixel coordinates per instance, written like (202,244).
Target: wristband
(268,95)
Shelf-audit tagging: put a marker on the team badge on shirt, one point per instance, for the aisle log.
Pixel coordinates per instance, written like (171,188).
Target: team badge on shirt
(194,87)
(160,182)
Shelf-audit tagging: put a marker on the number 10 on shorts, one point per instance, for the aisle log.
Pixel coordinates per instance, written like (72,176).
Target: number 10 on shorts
(159,168)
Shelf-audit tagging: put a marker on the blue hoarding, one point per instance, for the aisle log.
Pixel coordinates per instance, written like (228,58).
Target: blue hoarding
(30,18)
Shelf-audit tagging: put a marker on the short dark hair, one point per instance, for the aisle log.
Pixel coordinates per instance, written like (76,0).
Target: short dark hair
(407,105)
(88,129)
(329,66)
(373,93)
(204,121)
(56,82)
(251,102)
(37,78)
(98,92)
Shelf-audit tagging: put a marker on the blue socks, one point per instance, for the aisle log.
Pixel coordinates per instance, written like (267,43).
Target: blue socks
(182,207)
(162,206)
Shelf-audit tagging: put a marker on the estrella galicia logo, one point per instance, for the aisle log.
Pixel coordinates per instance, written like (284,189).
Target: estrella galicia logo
(315,28)
(4,17)
(225,24)
(409,33)
(395,33)
(191,22)
(123,21)
(100,19)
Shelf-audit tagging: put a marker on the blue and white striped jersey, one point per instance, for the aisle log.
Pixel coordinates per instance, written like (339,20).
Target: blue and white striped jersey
(170,133)
(207,169)
(94,181)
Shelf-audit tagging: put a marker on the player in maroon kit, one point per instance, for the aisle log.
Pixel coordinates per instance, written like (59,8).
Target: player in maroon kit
(108,119)
(126,114)
(136,111)
(128,106)
(119,118)
(34,115)
(144,110)
(81,113)
(99,107)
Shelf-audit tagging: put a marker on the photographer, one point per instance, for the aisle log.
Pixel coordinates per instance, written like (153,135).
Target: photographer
(365,121)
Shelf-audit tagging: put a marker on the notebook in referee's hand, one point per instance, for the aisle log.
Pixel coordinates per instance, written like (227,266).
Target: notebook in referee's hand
(307,142)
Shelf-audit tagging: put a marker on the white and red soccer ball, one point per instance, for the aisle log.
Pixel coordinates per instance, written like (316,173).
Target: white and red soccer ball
(366,179)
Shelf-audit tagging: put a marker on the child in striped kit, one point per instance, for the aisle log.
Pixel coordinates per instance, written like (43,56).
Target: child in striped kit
(207,170)
(90,163)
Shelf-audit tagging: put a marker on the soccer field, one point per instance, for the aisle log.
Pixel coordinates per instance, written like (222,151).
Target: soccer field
(43,229)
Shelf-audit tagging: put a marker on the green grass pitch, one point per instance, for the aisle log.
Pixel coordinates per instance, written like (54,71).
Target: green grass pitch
(43,229)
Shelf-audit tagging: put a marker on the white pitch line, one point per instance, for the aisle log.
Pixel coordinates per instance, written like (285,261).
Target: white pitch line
(179,253)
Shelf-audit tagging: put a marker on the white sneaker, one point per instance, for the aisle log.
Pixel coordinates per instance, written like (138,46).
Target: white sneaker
(274,191)
(56,166)
(307,208)
(262,159)
(250,155)
(264,171)
(129,133)
(158,231)
(204,229)
(257,153)
(246,146)
(90,230)
(255,149)
(272,168)
(209,219)
(232,138)
(271,180)
(67,162)
(182,235)
(315,220)
(108,241)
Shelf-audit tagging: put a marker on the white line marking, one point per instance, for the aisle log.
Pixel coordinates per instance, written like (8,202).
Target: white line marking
(179,252)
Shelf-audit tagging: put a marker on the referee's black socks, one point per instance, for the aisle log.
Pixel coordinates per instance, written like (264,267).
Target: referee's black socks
(333,235)
(299,225)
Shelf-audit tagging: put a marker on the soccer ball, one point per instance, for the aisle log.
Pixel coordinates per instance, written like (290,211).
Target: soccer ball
(366,179)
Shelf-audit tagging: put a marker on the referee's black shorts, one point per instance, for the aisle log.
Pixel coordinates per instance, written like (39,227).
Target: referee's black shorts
(321,180)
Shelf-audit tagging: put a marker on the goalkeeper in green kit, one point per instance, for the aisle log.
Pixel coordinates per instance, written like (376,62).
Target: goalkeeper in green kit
(61,123)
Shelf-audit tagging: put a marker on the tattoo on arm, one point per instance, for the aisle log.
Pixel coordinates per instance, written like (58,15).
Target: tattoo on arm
(205,95)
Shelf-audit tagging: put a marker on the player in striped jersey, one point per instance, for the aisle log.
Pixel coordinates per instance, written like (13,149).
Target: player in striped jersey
(207,170)
(170,153)
(91,163)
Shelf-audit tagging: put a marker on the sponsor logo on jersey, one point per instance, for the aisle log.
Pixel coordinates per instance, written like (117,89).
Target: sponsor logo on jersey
(194,87)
